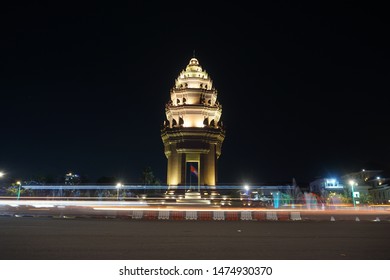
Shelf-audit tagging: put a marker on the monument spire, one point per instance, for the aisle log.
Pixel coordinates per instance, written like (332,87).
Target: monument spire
(192,133)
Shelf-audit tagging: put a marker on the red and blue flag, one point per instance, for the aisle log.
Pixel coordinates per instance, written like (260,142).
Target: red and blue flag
(193,170)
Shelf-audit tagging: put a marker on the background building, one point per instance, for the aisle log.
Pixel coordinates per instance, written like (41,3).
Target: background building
(362,187)
(72,179)
(323,186)
(381,193)
(361,181)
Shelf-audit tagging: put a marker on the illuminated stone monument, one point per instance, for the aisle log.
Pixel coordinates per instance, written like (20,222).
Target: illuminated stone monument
(192,132)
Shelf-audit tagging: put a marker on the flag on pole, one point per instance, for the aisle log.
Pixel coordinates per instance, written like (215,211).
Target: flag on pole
(193,170)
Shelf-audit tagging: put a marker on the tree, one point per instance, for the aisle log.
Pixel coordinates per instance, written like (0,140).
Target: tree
(365,199)
(45,179)
(14,189)
(148,179)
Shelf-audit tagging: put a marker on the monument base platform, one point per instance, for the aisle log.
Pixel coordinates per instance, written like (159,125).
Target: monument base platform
(193,197)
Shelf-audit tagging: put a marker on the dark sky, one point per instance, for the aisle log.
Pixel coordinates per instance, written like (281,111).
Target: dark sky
(303,86)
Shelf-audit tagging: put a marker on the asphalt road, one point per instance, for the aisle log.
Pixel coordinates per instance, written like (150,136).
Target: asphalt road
(119,239)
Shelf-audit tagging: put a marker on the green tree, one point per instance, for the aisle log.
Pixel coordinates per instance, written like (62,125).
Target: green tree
(14,189)
(346,196)
(365,199)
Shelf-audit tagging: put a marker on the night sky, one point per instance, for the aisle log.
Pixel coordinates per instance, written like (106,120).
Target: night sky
(303,86)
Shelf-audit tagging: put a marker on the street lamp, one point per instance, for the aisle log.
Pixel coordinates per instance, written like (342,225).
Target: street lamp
(353,183)
(118,186)
(245,195)
(246,187)
(19,185)
(2,174)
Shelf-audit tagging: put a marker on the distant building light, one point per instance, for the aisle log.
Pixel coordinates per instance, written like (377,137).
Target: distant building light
(72,179)
(334,187)
(331,181)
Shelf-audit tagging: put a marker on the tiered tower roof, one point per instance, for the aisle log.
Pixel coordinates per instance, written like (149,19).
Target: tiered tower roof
(193,99)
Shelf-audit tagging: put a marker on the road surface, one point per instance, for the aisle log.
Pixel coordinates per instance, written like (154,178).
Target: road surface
(126,239)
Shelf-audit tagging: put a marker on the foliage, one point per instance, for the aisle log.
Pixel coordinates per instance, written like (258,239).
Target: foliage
(148,177)
(14,189)
(346,198)
(235,194)
(366,199)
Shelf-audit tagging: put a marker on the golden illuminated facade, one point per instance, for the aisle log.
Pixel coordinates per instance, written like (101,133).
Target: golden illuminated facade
(192,133)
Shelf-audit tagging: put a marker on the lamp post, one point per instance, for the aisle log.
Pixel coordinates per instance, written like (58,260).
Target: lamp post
(118,186)
(352,183)
(19,185)
(1,175)
(246,195)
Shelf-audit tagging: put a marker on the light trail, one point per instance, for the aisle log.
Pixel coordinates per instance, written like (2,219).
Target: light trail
(152,209)
(58,203)
(151,203)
